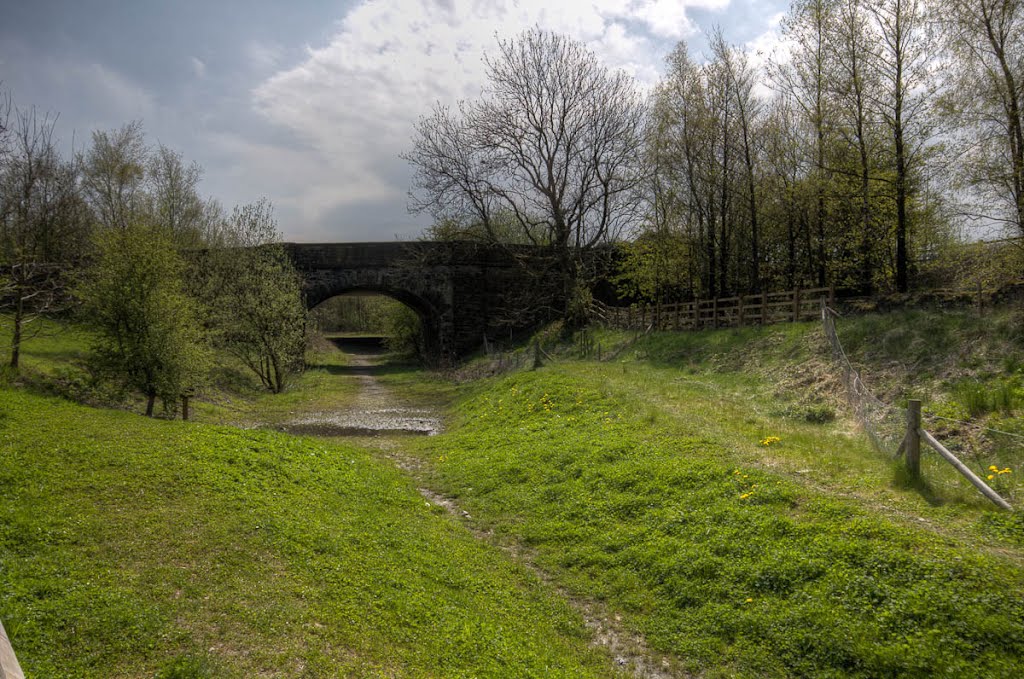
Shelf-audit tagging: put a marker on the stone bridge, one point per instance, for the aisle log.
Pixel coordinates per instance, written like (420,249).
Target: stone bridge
(461,291)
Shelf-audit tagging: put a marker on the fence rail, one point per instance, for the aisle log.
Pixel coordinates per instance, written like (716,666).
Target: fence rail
(720,312)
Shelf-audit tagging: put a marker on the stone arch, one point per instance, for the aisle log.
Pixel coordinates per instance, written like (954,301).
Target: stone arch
(462,291)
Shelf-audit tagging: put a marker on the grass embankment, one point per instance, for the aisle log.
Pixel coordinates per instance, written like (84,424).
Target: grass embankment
(645,483)
(134,547)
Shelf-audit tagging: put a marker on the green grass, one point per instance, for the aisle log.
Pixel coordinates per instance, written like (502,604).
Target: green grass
(135,547)
(644,482)
(711,548)
(53,362)
(961,365)
(641,482)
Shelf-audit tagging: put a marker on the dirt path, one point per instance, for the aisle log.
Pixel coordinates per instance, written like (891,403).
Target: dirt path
(376,411)
(378,418)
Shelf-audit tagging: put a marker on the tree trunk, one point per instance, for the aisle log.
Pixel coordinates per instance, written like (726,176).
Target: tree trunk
(150,402)
(902,256)
(1012,107)
(19,317)
(867,272)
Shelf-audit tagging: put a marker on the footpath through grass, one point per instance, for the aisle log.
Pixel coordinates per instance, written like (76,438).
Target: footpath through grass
(649,487)
(134,547)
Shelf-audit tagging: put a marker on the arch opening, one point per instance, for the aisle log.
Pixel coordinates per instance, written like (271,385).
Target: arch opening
(376,320)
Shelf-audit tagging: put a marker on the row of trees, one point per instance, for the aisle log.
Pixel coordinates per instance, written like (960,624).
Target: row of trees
(848,159)
(119,234)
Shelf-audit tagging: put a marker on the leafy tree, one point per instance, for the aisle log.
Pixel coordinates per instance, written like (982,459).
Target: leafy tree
(902,55)
(149,335)
(125,180)
(656,266)
(255,297)
(804,78)
(173,202)
(855,84)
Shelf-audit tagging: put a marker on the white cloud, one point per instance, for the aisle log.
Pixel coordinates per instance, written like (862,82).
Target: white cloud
(353,101)
(770,45)
(668,18)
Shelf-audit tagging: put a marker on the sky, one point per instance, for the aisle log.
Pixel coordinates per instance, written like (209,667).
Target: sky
(310,104)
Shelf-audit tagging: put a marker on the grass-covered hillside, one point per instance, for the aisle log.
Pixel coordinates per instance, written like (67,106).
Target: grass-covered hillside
(708,492)
(131,547)
(711,489)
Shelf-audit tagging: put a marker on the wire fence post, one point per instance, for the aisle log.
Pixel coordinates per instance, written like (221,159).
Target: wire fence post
(913,440)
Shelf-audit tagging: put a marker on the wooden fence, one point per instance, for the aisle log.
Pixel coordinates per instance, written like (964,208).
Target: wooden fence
(721,312)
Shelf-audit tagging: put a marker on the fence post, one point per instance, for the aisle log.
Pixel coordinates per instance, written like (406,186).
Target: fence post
(913,439)
(184,407)
(764,308)
(714,313)
(739,311)
(796,305)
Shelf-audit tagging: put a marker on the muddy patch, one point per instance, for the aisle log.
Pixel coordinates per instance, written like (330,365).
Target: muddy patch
(366,422)
(375,411)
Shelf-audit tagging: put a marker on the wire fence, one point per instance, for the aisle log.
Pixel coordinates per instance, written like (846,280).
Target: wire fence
(884,424)
(993,455)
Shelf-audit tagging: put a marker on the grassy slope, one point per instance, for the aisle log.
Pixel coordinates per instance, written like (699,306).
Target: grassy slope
(643,483)
(130,547)
(626,487)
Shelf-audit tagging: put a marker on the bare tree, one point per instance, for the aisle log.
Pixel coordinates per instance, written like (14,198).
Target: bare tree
(985,98)
(114,171)
(174,202)
(5,123)
(43,222)
(555,142)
